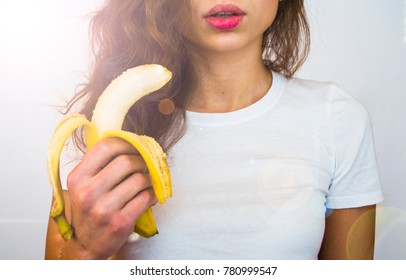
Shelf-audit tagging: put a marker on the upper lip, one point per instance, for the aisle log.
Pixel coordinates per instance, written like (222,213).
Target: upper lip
(225,8)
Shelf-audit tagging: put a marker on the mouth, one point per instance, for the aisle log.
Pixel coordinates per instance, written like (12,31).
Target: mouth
(224,16)
(225,10)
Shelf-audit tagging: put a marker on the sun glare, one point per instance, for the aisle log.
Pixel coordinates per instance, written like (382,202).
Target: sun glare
(25,23)
(39,36)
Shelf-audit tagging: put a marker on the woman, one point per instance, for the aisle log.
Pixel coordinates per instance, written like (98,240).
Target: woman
(257,158)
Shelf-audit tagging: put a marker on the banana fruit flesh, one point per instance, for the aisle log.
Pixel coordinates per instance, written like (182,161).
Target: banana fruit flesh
(107,120)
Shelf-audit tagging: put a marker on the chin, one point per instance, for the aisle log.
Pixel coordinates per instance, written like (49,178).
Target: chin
(226,44)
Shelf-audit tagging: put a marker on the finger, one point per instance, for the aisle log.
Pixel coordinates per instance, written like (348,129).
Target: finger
(101,154)
(127,190)
(138,204)
(120,168)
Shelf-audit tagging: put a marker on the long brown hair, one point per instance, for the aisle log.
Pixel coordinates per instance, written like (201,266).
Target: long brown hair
(127,33)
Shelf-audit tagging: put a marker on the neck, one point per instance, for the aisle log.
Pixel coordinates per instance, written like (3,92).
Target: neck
(229,81)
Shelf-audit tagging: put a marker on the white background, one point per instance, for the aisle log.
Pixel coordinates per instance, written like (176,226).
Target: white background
(359,44)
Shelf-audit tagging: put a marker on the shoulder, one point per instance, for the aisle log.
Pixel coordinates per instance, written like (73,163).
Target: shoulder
(336,101)
(324,90)
(307,85)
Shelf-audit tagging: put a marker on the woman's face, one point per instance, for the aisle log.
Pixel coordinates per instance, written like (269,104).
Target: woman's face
(222,26)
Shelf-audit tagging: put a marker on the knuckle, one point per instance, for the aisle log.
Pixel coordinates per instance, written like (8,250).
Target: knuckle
(72,179)
(104,146)
(124,162)
(100,214)
(82,199)
(120,226)
(140,180)
(147,197)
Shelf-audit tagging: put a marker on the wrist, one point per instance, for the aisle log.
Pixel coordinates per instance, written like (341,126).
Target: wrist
(72,249)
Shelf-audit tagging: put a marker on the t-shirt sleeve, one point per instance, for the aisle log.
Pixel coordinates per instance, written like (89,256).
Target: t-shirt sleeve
(355,181)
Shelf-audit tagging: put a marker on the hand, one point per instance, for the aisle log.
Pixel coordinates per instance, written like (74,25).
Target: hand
(109,189)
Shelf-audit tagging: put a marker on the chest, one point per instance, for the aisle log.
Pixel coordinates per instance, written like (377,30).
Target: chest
(254,195)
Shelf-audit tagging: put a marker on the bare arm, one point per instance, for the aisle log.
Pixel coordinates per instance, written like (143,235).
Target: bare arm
(349,234)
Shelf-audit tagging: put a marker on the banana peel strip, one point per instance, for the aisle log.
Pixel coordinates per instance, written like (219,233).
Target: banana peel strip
(62,132)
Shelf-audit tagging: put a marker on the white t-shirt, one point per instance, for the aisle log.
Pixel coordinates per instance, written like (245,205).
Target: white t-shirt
(255,183)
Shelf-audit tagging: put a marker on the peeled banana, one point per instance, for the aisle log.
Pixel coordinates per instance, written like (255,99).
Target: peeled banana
(107,119)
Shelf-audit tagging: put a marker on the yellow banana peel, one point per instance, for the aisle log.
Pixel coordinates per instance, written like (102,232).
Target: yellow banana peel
(107,120)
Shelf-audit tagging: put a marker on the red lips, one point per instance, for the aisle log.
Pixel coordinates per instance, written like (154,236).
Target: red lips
(224,16)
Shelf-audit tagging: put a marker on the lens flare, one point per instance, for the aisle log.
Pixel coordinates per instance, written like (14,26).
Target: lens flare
(286,185)
(166,106)
(354,237)
(390,241)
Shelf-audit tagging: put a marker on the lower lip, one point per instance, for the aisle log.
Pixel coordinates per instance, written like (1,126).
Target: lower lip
(225,23)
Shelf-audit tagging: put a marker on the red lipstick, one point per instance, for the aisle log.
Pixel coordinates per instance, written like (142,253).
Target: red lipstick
(224,16)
